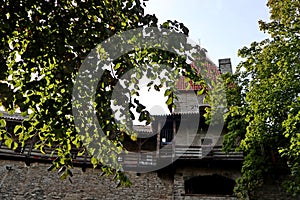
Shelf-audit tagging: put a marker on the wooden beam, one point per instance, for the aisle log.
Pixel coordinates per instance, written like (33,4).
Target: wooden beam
(158,138)
(173,141)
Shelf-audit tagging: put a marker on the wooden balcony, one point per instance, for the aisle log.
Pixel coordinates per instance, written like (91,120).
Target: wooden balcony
(131,160)
(167,147)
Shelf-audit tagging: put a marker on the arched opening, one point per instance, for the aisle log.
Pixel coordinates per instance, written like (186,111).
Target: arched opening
(209,185)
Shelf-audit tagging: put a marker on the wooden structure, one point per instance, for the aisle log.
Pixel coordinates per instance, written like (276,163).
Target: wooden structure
(146,151)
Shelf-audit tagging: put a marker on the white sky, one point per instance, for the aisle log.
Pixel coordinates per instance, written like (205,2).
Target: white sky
(221,26)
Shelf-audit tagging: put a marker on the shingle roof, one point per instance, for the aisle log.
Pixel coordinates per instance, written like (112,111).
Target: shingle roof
(142,128)
(15,116)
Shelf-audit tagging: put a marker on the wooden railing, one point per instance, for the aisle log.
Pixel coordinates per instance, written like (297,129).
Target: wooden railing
(206,152)
(141,160)
(130,159)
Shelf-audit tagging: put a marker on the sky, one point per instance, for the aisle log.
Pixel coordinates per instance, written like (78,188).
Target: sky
(220,26)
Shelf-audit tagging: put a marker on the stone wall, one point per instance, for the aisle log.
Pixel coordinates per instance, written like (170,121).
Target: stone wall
(188,101)
(35,182)
(17,181)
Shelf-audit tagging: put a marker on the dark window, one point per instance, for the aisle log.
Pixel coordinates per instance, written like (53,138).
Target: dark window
(209,185)
(10,128)
(166,136)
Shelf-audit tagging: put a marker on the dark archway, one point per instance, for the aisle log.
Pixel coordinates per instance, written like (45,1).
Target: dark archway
(211,185)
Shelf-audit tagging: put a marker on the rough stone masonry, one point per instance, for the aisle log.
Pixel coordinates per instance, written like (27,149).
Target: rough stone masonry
(18,182)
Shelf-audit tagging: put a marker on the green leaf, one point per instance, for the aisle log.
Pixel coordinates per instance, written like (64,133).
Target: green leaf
(94,161)
(169,100)
(168,92)
(8,142)
(2,123)
(17,128)
(200,92)
(156,87)
(14,145)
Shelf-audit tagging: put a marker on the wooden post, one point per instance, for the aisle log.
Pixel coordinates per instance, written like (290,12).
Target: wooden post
(139,158)
(174,133)
(158,138)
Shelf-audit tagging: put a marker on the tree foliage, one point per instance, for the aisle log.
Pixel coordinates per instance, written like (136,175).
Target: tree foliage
(263,116)
(42,46)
